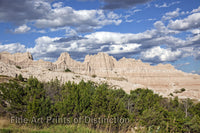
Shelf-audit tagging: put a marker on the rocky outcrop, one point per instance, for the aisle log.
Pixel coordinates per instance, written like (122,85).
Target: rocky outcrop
(126,73)
(24,60)
(15,58)
(101,65)
(65,61)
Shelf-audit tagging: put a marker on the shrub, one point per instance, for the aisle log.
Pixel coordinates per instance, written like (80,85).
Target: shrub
(179,91)
(94,75)
(68,70)
(182,89)
(20,77)
(18,67)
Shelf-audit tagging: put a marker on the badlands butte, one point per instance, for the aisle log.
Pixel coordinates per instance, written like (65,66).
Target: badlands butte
(128,74)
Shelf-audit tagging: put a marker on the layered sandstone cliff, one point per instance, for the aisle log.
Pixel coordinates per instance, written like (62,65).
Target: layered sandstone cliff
(126,73)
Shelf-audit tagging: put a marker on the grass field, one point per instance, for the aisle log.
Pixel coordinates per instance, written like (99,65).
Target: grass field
(6,127)
(52,129)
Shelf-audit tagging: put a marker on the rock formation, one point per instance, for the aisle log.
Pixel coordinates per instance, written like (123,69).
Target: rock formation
(16,59)
(65,61)
(24,60)
(125,73)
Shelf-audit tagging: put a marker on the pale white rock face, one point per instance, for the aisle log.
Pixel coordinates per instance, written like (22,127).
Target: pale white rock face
(65,61)
(126,73)
(24,60)
(15,58)
(101,65)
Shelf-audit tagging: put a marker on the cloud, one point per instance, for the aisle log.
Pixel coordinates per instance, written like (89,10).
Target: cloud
(112,15)
(130,13)
(110,42)
(158,54)
(118,44)
(83,20)
(85,0)
(170,15)
(125,48)
(116,4)
(196,10)
(129,20)
(191,22)
(43,15)
(57,5)
(151,19)
(71,32)
(22,29)
(69,38)
(44,47)
(164,5)
(194,40)
(197,53)
(195,31)
(162,29)
(13,48)
(22,11)
(160,6)
(182,64)
(134,11)
(145,44)
(196,72)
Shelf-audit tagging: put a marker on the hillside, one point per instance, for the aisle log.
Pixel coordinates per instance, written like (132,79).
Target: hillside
(89,107)
(126,73)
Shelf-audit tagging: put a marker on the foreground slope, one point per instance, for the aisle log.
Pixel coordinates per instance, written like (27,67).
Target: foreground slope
(126,73)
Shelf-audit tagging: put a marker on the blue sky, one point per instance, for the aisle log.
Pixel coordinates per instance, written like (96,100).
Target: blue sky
(155,31)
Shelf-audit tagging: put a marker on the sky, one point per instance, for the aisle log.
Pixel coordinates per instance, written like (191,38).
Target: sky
(155,31)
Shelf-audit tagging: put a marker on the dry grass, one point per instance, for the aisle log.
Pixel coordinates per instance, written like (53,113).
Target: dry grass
(4,78)
(117,78)
(4,123)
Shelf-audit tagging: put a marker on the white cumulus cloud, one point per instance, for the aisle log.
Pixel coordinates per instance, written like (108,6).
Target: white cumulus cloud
(192,21)
(82,20)
(22,29)
(13,48)
(170,15)
(159,54)
(196,10)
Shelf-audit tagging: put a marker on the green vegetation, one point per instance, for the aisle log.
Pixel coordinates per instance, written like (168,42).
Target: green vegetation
(94,75)
(20,78)
(4,78)
(52,129)
(180,91)
(68,70)
(88,106)
(18,67)
(116,78)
